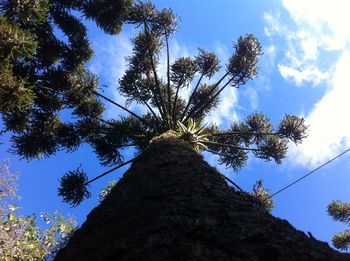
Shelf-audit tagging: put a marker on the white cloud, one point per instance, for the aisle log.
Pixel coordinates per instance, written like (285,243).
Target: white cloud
(109,64)
(315,49)
(252,95)
(225,114)
(327,20)
(300,43)
(311,74)
(329,131)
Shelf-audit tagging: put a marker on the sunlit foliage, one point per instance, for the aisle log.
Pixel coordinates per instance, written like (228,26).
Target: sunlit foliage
(21,238)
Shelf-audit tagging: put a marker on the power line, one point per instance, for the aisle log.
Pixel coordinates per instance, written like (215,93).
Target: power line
(308,174)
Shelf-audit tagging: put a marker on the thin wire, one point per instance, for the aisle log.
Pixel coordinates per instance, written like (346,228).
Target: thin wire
(308,174)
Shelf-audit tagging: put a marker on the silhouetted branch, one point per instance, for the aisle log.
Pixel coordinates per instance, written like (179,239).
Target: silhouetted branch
(233,133)
(191,97)
(201,106)
(155,75)
(168,73)
(229,145)
(122,107)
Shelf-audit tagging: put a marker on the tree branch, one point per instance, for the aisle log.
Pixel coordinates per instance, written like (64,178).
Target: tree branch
(229,145)
(150,108)
(200,109)
(174,104)
(162,104)
(200,106)
(122,107)
(191,97)
(233,133)
(155,97)
(168,71)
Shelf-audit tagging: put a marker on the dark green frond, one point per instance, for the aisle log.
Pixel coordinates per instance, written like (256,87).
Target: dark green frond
(89,107)
(88,129)
(15,42)
(130,131)
(73,188)
(204,93)
(341,240)
(51,50)
(179,107)
(67,137)
(234,158)
(117,135)
(339,211)
(164,22)
(136,87)
(16,122)
(256,134)
(232,155)
(79,85)
(145,43)
(143,12)
(48,100)
(244,133)
(78,49)
(183,71)
(16,95)
(272,147)
(108,14)
(243,63)
(39,141)
(24,11)
(207,62)
(107,150)
(293,128)
(260,124)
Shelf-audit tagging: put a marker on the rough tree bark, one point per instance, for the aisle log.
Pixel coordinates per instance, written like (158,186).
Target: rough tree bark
(171,205)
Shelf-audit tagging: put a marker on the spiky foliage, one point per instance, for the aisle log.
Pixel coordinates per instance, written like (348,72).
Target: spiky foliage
(73,187)
(105,191)
(341,240)
(262,196)
(340,211)
(21,237)
(61,81)
(43,52)
(192,134)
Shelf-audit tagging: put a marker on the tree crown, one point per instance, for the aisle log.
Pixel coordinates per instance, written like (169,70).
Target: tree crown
(48,86)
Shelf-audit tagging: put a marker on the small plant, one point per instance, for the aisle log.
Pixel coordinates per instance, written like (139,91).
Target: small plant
(340,211)
(192,134)
(262,195)
(106,190)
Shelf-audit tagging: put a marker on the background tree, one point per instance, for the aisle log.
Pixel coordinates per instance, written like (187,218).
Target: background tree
(340,211)
(43,52)
(20,236)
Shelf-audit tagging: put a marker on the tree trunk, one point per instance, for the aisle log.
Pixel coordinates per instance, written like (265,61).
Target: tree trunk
(171,205)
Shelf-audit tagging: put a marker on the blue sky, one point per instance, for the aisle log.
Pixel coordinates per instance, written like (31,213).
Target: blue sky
(303,71)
